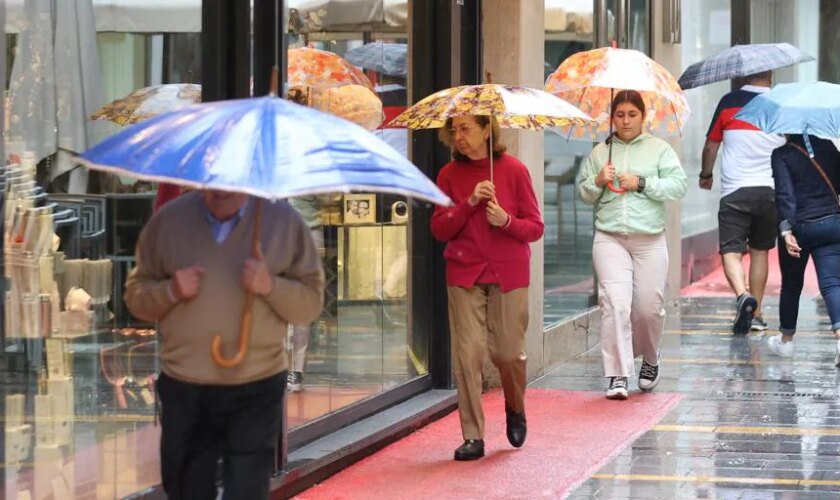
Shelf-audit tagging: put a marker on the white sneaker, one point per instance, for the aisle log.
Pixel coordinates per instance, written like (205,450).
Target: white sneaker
(837,354)
(779,348)
(617,388)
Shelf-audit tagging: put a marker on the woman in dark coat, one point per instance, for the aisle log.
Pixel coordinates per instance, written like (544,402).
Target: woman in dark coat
(809,224)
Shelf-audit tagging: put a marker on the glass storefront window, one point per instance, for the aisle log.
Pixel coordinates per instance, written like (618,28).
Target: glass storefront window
(78,393)
(706,28)
(363,343)
(568,275)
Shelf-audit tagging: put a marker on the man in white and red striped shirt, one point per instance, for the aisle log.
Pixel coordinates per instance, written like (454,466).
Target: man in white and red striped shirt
(747,214)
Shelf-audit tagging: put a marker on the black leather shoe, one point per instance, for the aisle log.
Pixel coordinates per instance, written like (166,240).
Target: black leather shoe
(472,449)
(517,428)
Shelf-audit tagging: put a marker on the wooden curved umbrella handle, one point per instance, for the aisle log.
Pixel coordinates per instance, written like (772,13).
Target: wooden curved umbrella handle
(245,325)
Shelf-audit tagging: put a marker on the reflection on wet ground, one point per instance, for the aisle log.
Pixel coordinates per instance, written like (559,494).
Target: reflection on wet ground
(751,425)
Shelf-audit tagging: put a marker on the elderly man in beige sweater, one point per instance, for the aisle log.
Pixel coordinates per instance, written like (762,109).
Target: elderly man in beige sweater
(194,267)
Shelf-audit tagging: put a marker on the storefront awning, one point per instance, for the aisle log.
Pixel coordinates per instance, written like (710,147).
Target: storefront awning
(184,16)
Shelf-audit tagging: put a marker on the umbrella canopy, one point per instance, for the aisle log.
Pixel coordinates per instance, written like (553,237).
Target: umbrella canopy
(589,79)
(266,147)
(741,60)
(309,67)
(148,102)
(513,107)
(796,108)
(387,58)
(354,103)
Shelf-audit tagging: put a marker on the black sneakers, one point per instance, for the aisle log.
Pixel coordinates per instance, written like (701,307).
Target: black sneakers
(746,311)
(294,382)
(648,376)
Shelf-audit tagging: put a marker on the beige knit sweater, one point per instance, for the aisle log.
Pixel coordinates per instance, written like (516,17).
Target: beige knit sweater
(178,237)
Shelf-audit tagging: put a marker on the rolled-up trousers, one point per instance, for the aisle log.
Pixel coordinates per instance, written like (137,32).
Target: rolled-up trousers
(632,269)
(483,319)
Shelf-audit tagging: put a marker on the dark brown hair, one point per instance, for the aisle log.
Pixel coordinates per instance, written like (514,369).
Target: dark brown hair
(628,96)
(445,136)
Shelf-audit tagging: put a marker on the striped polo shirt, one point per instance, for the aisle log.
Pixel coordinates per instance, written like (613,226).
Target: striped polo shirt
(746,149)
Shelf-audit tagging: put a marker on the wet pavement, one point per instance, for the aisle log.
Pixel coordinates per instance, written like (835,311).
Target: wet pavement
(750,425)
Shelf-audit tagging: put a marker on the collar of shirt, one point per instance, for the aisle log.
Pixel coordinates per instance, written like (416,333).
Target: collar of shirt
(756,88)
(221,229)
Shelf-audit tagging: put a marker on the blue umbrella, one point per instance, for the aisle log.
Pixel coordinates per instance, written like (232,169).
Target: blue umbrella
(796,108)
(387,58)
(741,60)
(266,147)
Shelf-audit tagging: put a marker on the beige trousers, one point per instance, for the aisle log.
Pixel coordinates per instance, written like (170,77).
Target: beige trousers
(632,269)
(482,318)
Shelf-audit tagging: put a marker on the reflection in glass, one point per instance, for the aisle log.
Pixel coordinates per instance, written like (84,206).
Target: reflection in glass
(705,32)
(568,222)
(362,344)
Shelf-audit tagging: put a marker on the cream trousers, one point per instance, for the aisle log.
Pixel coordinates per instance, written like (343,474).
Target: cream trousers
(632,270)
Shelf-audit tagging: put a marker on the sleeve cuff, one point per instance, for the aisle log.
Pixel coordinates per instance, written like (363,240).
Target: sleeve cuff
(785,227)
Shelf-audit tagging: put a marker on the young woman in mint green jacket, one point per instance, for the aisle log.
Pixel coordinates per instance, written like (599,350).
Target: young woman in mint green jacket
(629,249)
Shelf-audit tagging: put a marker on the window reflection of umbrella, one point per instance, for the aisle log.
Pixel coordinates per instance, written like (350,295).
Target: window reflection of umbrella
(148,102)
(386,58)
(512,107)
(266,147)
(589,80)
(310,67)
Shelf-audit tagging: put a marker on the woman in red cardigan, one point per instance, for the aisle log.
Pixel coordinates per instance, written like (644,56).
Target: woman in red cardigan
(487,234)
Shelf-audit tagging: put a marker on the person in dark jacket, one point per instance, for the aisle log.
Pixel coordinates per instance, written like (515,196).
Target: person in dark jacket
(809,224)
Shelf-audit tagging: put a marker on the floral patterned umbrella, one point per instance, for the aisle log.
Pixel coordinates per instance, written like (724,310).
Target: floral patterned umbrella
(513,107)
(308,67)
(148,102)
(589,80)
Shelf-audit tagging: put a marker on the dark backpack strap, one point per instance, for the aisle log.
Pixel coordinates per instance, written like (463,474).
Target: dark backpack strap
(819,169)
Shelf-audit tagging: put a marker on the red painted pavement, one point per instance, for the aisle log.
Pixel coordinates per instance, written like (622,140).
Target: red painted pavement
(715,285)
(571,434)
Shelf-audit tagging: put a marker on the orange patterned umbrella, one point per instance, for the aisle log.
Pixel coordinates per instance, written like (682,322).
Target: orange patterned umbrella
(308,67)
(589,79)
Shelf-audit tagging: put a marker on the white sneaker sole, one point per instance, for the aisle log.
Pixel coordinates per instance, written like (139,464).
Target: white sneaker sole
(651,386)
(619,394)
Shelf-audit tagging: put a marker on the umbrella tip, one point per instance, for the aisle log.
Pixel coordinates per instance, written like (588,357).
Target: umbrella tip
(614,44)
(488,76)
(189,77)
(275,81)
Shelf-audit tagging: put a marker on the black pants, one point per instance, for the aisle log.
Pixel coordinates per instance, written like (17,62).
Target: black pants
(200,423)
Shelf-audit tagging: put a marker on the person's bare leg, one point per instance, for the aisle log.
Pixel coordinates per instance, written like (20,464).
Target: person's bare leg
(758,276)
(734,271)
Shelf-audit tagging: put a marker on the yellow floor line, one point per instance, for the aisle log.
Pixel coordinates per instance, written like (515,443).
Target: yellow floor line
(728,333)
(764,431)
(756,362)
(717,479)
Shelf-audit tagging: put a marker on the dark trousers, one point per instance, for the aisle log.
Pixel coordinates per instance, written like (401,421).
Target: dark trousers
(201,423)
(793,281)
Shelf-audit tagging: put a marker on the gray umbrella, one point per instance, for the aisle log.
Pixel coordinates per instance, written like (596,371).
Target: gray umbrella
(740,61)
(387,58)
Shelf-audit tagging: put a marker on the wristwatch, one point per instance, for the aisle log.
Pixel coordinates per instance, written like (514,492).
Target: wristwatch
(641,187)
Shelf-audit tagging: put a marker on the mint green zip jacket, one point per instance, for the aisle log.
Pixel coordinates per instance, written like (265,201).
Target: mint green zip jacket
(633,212)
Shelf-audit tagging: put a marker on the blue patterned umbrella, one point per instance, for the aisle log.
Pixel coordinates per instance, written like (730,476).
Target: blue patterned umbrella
(267,147)
(386,58)
(796,108)
(741,60)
